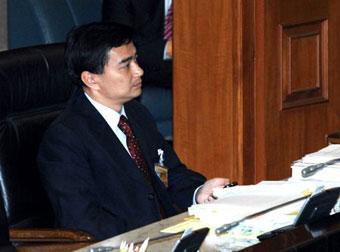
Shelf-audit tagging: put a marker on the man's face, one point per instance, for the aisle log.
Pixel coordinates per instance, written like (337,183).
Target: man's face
(121,79)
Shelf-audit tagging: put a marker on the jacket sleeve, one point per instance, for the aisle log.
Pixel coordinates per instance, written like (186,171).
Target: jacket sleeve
(182,181)
(67,178)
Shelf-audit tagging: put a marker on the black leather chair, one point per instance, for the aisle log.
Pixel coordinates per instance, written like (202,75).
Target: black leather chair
(5,244)
(33,91)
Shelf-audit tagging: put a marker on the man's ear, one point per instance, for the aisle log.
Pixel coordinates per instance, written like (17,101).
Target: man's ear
(89,79)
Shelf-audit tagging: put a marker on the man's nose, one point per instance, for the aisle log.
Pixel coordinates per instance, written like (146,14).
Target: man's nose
(138,70)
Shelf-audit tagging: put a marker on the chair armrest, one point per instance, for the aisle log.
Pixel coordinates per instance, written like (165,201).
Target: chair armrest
(48,235)
(50,247)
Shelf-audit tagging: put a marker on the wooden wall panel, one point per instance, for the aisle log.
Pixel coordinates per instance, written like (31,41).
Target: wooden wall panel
(256,84)
(334,65)
(304,66)
(295,80)
(205,86)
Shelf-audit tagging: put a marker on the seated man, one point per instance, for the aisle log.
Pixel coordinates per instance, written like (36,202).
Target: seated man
(97,160)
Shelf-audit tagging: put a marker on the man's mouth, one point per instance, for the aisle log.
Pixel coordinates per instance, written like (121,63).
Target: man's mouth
(137,84)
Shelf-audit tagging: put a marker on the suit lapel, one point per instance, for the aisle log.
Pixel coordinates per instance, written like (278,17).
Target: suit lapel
(101,131)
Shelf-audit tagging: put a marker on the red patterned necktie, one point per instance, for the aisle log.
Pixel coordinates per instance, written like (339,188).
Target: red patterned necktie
(133,146)
(136,154)
(168,24)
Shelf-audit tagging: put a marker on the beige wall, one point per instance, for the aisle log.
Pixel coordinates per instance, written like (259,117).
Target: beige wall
(3,25)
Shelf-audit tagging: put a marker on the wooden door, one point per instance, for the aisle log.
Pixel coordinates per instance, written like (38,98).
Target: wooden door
(296,81)
(255,84)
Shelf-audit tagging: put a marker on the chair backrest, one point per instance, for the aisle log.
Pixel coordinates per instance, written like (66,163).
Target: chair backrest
(5,244)
(33,91)
(4,234)
(35,22)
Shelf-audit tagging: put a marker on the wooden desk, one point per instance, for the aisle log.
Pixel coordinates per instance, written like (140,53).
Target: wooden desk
(140,234)
(321,236)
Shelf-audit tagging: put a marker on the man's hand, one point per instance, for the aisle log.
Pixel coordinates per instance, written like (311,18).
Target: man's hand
(204,194)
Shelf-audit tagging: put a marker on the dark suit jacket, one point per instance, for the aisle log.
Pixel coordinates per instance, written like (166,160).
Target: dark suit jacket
(146,18)
(93,183)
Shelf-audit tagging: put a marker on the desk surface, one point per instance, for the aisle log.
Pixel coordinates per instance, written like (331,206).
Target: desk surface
(140,234)
(320,235)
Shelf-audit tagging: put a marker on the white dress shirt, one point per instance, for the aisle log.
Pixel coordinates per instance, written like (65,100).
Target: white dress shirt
(167,4)
(112,118)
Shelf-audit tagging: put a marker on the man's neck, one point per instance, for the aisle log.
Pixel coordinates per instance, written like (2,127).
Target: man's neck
(103,102)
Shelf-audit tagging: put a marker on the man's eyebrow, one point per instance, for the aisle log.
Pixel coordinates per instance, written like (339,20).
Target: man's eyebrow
(123,61)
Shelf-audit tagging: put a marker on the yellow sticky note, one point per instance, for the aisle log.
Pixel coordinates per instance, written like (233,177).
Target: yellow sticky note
(306,192)
(190,222)
(293,213)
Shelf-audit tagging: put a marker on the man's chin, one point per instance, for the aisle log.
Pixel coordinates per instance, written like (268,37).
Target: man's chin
(137,92)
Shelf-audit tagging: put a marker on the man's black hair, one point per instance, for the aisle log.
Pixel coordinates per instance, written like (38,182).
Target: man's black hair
(87,47)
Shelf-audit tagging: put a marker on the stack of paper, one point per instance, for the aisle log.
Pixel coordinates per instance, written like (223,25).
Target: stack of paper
(236,203)
(268,205)
(328,173)
(257,209)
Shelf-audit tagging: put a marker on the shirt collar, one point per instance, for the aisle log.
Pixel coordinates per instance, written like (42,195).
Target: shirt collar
(110,115)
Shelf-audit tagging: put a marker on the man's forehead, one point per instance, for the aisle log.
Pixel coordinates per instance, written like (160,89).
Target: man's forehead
(126,48)
(119,53)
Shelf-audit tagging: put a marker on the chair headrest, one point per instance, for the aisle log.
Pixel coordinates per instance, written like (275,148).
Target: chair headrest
(32,77)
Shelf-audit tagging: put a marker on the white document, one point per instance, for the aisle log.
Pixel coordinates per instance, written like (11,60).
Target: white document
(330,152)
(236,203)
(329,173)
